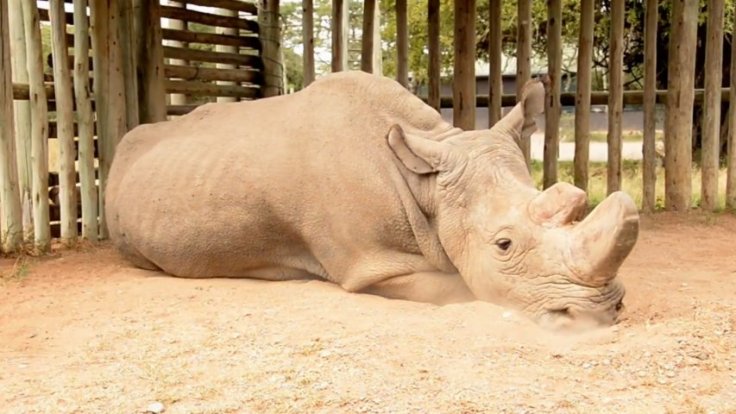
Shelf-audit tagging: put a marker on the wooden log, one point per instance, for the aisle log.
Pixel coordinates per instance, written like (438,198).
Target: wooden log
(178,110)
(54,178)
(553,109)
(226,49)
(649,163)
(194,16)
(65,121)
(402,43)
(86,149)
(239,5)
(582,95)
(679,119)
(208,89)
(22,112)
(339,35)
(182,35)
(150,56)
(273,69)
(99,22)
(523,58)
(128,62)
(463,87)
(43,15)
(179,30)
(615,103)
(308,40)
(11,225)
(731,156)
(39,127)
(209,74)
(495,80)
(434,71)
(712,110)
(366,51)
(213,57)
(377,48)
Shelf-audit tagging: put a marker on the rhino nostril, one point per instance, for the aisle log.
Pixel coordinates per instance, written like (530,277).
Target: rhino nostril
(619,306)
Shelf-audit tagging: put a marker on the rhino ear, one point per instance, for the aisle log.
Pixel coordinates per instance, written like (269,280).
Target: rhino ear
(418,154)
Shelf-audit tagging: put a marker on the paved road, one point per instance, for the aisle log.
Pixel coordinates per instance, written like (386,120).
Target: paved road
(598,150)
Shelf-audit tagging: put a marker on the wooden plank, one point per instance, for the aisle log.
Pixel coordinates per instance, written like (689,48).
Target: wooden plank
(649,167)
(434,71)
(176,29)
(65,121)
(180,109)
(11,225)
(339,38)
(210,74)
(582,95)
(39,127)
(552,107)
(193,16)
(128,62)
(615,103)
(22,112)
(731,156)
(225,31)
(208,89)
(463,87)
(308,40)
(86,149)
(241,6)
(213,57)
(495,80)
(377,51)
(712,109)
(151,87)
(248,42)
(402,43)
(99,22)
(273,68)
(366,50)
(523,58)
(679,119)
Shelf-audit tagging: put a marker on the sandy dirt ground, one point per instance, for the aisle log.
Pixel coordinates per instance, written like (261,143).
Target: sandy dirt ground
(81,331)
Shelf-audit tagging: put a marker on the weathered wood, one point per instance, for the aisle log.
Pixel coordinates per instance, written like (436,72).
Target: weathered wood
(679,119)
(308,40)
(463,87)
(227,49)
(173,38)
(99,23)
(39,127)
(22,112)
(273,69)
(128,62)
(210,74)
(495,81)
(402,43)
(649,167)
(213,57)
(552,102)
(712,110)
(731,156)
(194,16)
(86,126)
(366,50)
(43,16)
(434,72)
(181,35)
(209,89)
(523,58)
(65,121)
(339,35)
(377,48)
(11,226)
(615,102)
(150,56)
(582,95)
(239,5)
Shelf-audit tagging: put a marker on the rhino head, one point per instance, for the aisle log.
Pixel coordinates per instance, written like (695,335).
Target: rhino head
(512,244)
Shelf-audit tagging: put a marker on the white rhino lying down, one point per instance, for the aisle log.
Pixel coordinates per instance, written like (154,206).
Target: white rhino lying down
(355,180)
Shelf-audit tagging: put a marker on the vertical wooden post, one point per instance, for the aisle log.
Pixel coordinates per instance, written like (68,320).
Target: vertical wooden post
(553,109)
(463,87)
(83,94)
(495,81)
(11,228)
(433,72)
(339,37)
(268,17)
(616,95)
(64,121)
(377,45)
(402,43)
(231,49)
(366,56)
(649,167)
(308,37)
(712,110)
(582,95)
(150,56)
(177,98)
(39,127)
(128,63)
(680,96)
(523,59)
(22,115)
(731,168)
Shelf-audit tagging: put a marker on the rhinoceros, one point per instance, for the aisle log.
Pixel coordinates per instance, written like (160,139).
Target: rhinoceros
(356,181)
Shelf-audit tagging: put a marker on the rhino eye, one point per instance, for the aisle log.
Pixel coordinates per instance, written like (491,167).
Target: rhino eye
(503,244)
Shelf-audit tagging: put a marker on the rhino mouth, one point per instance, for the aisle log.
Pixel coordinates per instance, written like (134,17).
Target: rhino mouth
(577,318)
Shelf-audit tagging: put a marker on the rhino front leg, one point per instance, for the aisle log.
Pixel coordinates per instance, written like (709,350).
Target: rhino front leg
(428,287)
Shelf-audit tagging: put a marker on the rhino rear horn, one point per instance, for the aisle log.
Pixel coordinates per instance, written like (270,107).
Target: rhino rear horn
(520,122)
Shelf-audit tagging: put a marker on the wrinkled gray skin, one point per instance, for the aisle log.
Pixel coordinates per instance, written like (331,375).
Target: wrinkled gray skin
(356,181)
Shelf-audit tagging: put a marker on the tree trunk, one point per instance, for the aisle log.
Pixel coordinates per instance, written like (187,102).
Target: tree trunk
(552,110)
(615,88)
(582,95)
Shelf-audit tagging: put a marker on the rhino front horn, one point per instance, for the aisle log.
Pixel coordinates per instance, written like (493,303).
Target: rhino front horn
(603,240)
